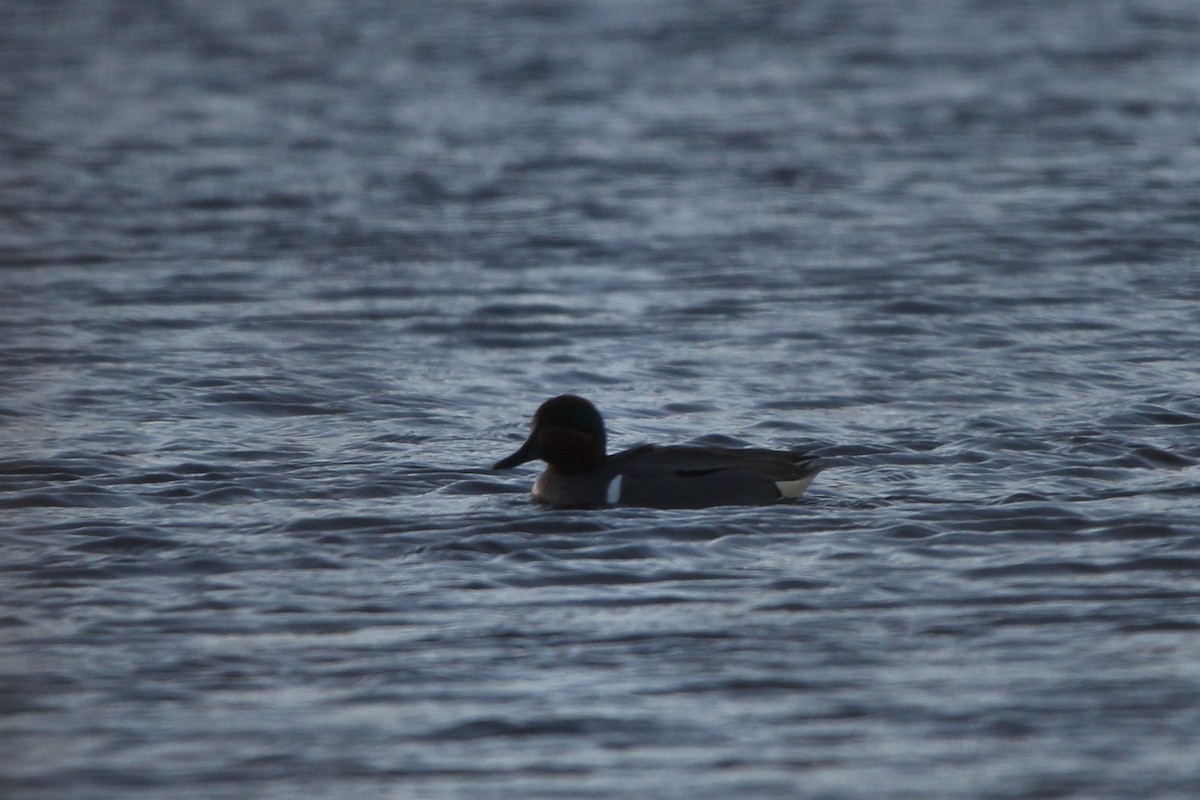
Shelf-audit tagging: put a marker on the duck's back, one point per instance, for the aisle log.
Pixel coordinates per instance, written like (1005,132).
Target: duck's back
(695,477)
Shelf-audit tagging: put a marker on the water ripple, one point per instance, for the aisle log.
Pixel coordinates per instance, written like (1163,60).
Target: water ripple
(273,309)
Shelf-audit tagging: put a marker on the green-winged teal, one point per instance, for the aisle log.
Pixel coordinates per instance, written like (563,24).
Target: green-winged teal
(568,434)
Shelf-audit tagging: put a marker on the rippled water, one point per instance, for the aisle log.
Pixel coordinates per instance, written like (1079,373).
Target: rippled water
(278,281)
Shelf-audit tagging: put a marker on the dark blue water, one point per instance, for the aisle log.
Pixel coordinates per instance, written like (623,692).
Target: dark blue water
(279,280)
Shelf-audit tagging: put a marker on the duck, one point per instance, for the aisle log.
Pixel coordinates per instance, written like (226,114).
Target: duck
(568,433)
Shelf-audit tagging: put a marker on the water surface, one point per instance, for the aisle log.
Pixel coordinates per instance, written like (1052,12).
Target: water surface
(278,282)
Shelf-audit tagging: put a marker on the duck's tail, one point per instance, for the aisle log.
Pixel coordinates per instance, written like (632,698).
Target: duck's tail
(795,487)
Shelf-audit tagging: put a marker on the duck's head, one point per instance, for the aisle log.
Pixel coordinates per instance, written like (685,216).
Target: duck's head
(567,433)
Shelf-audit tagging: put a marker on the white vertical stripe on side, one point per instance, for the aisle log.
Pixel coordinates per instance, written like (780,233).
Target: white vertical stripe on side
(614,491)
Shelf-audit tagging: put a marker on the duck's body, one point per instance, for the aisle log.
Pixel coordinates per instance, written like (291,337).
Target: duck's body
(568,433)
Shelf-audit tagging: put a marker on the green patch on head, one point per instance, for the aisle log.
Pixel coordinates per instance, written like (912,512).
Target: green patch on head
(575,413)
